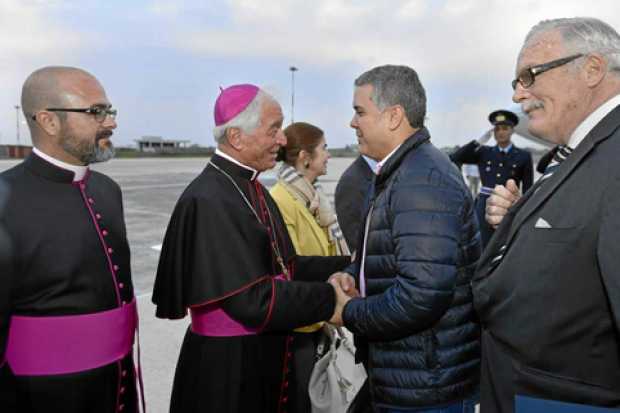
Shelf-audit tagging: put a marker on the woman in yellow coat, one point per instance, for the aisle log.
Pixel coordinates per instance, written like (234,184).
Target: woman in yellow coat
(313,227)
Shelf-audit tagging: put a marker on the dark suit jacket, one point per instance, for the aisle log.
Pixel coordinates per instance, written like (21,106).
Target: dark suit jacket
(550,309)
(350,195)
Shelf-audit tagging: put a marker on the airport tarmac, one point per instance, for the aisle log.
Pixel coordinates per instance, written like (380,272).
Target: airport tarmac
(150,190)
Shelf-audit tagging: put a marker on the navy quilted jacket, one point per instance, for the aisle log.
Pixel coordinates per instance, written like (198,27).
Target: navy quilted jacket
(416,330)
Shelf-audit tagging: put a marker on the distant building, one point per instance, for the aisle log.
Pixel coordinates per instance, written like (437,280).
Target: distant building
(159,144)
(14,151)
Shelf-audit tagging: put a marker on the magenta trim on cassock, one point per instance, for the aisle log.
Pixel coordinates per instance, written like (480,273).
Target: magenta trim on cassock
(211,321)
(68,344)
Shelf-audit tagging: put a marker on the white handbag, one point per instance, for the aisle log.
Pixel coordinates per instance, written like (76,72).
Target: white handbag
(335,378)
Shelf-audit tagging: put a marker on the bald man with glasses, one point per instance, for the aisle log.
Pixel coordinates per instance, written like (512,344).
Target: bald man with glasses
(67,306)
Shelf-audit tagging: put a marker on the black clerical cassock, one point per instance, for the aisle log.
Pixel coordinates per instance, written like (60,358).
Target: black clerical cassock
(228,259)
(67,307)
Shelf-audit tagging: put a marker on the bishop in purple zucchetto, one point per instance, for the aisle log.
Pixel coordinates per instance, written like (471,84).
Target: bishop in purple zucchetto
(232,101)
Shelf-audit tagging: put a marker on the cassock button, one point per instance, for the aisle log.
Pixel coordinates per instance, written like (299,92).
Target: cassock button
(91,201)
(286,384)
(498,175)
(122,390)
(501,164)
(284,399)
(121,407)
(105,233)
(124,372)
(98,216)
(124,302)
(110,250)
(121,285)
(83,186)
(116,267)
(289,355)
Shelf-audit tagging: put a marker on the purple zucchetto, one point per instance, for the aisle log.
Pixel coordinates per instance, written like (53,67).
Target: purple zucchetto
(232,101)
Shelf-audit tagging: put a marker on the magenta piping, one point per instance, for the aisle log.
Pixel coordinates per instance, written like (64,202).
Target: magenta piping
(81,185)
(212,321)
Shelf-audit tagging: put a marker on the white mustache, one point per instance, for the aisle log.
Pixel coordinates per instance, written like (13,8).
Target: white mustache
(530,106)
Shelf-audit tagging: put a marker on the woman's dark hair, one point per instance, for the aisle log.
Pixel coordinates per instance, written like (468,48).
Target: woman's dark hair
(299,135)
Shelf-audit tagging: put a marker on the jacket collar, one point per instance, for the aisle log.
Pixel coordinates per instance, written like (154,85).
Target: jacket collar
(233,168)
(392,164)
(229,158)
(506,150)
(49,171)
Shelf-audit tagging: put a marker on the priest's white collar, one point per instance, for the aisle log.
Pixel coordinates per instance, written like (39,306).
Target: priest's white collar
(236,162)
(79,171)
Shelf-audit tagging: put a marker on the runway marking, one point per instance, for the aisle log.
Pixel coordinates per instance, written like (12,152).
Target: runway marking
(146,211)
(139,187)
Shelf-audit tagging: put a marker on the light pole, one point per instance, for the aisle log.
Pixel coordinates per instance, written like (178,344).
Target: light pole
(17,121)
(293,69)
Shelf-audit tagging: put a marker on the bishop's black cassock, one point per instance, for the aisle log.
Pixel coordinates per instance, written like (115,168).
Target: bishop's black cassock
(217,252)
(63,256)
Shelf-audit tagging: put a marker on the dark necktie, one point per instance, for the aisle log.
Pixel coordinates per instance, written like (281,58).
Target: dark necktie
(562,152)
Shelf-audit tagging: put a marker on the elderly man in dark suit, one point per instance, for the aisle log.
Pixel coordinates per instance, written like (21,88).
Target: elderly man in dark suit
(547,288)
(350,194)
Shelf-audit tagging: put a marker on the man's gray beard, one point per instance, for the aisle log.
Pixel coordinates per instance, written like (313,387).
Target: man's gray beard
(102,155)
(87,153)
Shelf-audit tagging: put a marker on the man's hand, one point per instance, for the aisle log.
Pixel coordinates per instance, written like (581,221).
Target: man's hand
(341,300)
(502,198)
(486,136)
(346,283)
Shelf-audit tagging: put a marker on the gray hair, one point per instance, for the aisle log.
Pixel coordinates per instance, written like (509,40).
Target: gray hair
(584,35)
(248,120)
(397,85)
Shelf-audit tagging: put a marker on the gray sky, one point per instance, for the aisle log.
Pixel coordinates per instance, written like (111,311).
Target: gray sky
(162,62)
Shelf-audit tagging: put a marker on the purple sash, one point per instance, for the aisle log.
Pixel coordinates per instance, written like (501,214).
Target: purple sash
(211,321)
(68,344)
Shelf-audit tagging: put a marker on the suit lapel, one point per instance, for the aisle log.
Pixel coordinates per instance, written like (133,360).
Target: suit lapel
(600,132)
(500,236)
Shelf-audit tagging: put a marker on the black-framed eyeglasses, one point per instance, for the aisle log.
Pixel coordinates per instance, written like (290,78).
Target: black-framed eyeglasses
(528,75)
(99,112)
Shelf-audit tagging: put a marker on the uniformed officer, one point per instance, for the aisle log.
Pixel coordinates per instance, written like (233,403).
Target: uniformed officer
(497,164)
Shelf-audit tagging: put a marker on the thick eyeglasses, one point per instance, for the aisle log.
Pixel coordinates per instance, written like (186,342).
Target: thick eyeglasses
(99,112)
(527,76)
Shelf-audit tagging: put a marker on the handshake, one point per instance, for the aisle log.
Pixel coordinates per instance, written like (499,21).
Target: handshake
(344,287)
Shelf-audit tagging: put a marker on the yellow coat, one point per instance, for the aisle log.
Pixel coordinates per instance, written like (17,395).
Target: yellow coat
(307,236)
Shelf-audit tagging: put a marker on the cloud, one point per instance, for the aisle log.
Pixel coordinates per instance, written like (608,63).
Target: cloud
(152,52)
(30,37)
(458,36)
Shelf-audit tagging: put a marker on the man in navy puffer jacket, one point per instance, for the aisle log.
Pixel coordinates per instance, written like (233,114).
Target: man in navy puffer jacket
(415,325)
